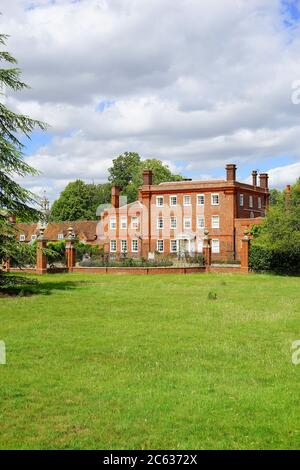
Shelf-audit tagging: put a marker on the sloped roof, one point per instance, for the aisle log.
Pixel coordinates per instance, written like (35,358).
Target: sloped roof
(83,229)
(27,229)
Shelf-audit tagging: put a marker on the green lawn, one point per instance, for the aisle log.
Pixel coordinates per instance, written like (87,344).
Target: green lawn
(151,362)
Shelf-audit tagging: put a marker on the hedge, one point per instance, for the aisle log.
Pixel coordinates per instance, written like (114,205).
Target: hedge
(275,259)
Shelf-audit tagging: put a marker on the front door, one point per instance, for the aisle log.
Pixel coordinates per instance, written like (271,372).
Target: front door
(184,247)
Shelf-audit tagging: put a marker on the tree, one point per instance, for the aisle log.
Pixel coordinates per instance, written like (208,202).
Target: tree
(276,197)
(124,169)
(161,172)
(127,173)
(79,201)
(276,243)
(13,198)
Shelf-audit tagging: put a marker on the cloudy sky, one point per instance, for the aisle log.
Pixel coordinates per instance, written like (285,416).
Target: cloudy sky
(196,83)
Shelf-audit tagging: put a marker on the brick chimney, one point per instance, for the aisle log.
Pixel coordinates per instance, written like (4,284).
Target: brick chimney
(115,196)
(254,178)
(147,177)
(263,180)
(231,172)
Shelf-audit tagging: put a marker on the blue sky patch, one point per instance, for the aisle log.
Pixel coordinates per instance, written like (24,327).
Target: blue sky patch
(38,139)
(103,105)
(291,12)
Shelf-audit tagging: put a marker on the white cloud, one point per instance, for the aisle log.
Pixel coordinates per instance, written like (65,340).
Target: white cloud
(281,176)
(195,83)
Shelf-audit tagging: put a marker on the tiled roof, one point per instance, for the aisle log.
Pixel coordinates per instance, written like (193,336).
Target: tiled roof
(27,229)
(83,229)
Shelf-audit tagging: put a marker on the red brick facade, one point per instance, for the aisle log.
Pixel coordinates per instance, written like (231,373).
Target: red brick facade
(170,218)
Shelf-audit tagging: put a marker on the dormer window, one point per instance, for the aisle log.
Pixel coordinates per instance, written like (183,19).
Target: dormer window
(22,238)
(60,236)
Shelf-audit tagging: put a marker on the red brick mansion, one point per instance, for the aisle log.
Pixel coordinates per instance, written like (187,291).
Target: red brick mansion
(170,218)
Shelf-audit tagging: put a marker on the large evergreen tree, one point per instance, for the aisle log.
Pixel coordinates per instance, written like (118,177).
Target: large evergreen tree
(13,198)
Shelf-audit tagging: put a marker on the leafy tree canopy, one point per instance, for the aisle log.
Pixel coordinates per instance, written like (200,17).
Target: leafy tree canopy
(79,201)
(276,243)
(276,197)
(127,170)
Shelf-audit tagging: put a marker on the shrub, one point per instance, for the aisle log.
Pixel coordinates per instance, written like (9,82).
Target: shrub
(276,243)
(83,248)
(56,252)
(275,259)
(195,259)
(16,285)
(126,262)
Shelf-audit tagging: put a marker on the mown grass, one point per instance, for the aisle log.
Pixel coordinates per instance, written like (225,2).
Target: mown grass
(151,362)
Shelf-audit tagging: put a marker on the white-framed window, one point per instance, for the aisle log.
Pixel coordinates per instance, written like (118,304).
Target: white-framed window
(124,246)
(33,237)
(134,246)
(200,199)
(173,222)
(250,201)
(60,236)
(200,245)
(241,200)
(160,246)
(113,246)
(259,202)
(160,222)
(200,221)
(173,200)
(134,222)
(123,223)
(112,223)
(215,245)
(22,238)
(159,201)
(186,200)
(215,221)
(173,246)
(187,222)
(215,199)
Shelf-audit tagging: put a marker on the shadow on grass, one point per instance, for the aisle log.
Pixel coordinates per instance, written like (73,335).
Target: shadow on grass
(12,285)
